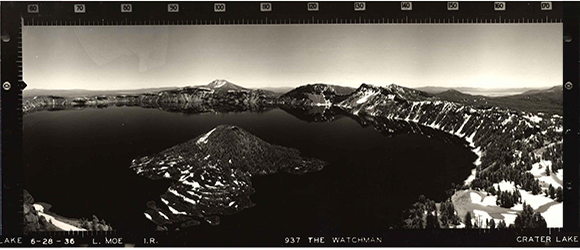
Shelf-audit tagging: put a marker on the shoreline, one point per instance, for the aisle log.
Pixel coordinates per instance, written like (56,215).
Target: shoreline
(551,210)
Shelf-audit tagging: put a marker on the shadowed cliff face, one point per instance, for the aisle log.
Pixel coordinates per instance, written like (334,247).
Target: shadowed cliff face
(506,139)
(212,174)
(474,124)
(315,95)
(387,127)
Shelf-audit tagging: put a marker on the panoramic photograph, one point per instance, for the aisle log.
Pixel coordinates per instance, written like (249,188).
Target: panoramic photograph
(255,130)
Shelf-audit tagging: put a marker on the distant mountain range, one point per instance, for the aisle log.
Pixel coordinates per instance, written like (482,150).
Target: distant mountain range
(220,84)
(279,90)
(491,92)
(217,96)
(220,92)
(546,100)
(27,93)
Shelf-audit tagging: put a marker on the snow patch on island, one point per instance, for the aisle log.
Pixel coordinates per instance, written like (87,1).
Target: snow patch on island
(203,139)
(174,192)
(533,118)
(175,211)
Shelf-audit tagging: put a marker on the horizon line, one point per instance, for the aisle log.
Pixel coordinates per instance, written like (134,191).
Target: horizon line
(293,87)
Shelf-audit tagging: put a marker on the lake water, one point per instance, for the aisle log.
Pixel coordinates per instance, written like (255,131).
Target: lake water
(78,161)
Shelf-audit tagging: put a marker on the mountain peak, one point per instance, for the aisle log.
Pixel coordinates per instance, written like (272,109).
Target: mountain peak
(366,92)
(364,86)
(222,84)
(454,91)
(218,83)
(398,88)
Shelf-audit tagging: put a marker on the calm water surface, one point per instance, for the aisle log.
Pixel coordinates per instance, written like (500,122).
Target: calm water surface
(79,160)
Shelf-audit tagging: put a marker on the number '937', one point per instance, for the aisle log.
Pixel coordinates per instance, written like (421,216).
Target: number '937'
(292,240)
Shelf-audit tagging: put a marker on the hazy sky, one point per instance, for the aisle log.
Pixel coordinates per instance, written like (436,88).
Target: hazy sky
(129,57)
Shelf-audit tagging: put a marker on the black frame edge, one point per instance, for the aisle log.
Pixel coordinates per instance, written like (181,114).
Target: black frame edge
(12,161)
(571,156)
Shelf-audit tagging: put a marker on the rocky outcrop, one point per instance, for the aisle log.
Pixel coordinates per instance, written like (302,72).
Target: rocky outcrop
(33,222)
(212,174)
(38,218)
(314,95)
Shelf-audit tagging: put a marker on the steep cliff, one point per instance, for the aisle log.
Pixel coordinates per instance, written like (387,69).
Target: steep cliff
(314,95)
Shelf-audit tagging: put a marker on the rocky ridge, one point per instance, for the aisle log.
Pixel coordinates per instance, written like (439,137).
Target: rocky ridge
(217,96)
(314,95)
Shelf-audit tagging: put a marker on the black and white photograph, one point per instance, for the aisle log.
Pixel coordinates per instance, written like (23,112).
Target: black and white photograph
(241,131)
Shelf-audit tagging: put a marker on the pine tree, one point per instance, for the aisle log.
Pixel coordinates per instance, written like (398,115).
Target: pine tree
(417,222)
(528,219)
(552,191)
(538,221)
(491,224)
(467,221)
(430,206)
(536,189)
(559,194)
(432,222)
(447,215)
(422,199)
(501,224)
(523,218)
